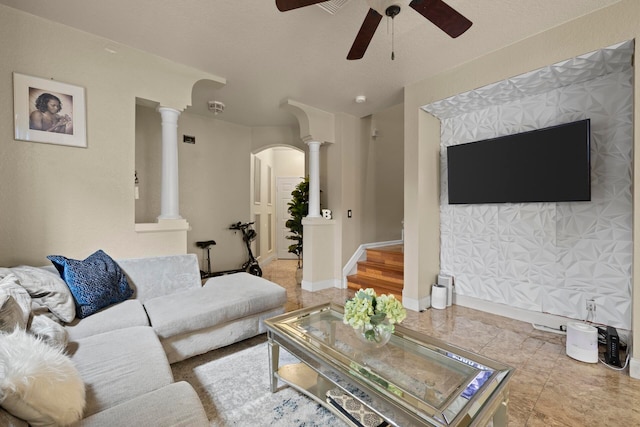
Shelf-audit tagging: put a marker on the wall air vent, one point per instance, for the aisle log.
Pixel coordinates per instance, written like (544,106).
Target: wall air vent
(332,6)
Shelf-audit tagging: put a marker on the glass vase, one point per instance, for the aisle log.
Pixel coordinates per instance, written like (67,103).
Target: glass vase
(375,335)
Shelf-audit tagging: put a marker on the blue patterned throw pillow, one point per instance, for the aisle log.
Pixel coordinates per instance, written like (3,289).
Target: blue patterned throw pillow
(95,282)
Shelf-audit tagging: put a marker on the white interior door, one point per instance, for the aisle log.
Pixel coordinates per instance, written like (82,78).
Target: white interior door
(284,187)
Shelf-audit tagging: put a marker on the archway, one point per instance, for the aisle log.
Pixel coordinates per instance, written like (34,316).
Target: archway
(275,170)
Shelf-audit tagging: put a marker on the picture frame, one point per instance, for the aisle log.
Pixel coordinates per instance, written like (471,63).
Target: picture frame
(49,111)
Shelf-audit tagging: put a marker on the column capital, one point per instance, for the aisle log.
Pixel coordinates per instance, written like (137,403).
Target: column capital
(311,140)
(162,108)
(313,146)
(169,114)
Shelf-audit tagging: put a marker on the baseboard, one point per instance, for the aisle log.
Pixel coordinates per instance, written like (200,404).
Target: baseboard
(634,368)
(266,260)
(416,304)
(320,285)
(545,319)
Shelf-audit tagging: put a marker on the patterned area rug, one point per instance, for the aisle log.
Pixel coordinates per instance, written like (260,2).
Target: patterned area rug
(233,385)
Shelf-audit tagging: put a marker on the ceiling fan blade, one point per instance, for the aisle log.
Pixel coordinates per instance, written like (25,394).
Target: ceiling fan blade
(284,5)
(367,30)
(442,15)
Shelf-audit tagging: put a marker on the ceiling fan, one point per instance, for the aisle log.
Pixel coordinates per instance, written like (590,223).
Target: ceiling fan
(437,11)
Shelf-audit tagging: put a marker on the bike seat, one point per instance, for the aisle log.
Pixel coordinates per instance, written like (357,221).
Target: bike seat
(205,244)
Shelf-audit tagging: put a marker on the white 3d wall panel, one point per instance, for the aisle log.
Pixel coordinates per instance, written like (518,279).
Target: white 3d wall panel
(548,257)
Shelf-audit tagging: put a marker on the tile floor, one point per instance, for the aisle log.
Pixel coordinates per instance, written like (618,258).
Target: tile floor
(548,388)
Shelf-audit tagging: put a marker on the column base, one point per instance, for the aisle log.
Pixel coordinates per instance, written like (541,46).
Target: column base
(319,267)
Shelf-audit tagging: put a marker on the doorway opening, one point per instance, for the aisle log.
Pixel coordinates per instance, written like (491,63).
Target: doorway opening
(275,171)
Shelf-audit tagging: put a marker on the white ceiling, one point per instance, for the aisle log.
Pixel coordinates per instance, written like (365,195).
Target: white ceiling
(269,56)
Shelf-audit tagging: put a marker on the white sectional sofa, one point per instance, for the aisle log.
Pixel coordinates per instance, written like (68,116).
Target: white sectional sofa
(189,318)
(123,352)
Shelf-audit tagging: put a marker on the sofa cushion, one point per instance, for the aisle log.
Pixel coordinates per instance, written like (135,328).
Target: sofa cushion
(119,316)
(220,301)
(161,275)
(95,282)
(174,405)
(47,290)
(39,383)
(120,365)
(184,346)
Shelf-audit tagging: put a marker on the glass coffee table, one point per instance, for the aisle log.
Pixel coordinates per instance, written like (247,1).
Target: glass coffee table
(414,380)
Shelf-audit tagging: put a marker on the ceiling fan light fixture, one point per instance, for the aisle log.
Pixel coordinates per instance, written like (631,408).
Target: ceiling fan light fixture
(381,6)
(392,11)
(438,12)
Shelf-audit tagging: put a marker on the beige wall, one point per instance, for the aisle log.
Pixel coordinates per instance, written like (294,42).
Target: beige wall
(216,181)
(268,136)
(289,161)
(215,186)
(370,178)
(346,153)
(148,152)
(67,200)
(600,29)
(387,162)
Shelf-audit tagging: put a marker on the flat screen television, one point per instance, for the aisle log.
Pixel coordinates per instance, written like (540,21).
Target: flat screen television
(544,165)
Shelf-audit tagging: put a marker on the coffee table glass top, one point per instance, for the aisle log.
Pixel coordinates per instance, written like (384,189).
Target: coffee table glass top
(422,374)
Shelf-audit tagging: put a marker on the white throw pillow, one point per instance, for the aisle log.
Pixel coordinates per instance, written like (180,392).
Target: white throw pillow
(39,383)
(47,289)
(51,332)
(15,304)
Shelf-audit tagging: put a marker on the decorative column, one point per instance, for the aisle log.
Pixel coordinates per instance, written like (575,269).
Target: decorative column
(314,179)
(321,243)
(169,200)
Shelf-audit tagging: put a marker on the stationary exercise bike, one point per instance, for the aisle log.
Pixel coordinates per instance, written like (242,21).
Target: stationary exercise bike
(251,266)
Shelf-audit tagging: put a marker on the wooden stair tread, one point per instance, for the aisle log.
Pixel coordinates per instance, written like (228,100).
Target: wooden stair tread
(391,248)
(381,266)
(364,279)
(368,282)
(383,271)
(379,271)
(390,255)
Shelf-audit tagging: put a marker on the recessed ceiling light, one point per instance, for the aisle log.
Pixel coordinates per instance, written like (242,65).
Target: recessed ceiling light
(111,48)
(360,99)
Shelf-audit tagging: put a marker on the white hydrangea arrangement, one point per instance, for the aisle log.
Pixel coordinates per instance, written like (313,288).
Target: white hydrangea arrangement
(368,309)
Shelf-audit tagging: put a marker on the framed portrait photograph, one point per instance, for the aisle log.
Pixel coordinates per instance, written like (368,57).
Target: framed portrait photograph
(48,111)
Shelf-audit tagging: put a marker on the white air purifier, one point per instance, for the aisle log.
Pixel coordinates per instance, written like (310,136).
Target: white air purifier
(438,296)
(582,342)
(447,281)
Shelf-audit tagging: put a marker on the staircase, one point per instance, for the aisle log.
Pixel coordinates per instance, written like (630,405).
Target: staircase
(383,270)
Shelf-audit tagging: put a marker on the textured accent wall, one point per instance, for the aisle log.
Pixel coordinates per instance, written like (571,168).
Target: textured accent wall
(549,257)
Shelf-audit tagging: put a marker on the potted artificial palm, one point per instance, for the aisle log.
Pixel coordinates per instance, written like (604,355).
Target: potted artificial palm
(298,208)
